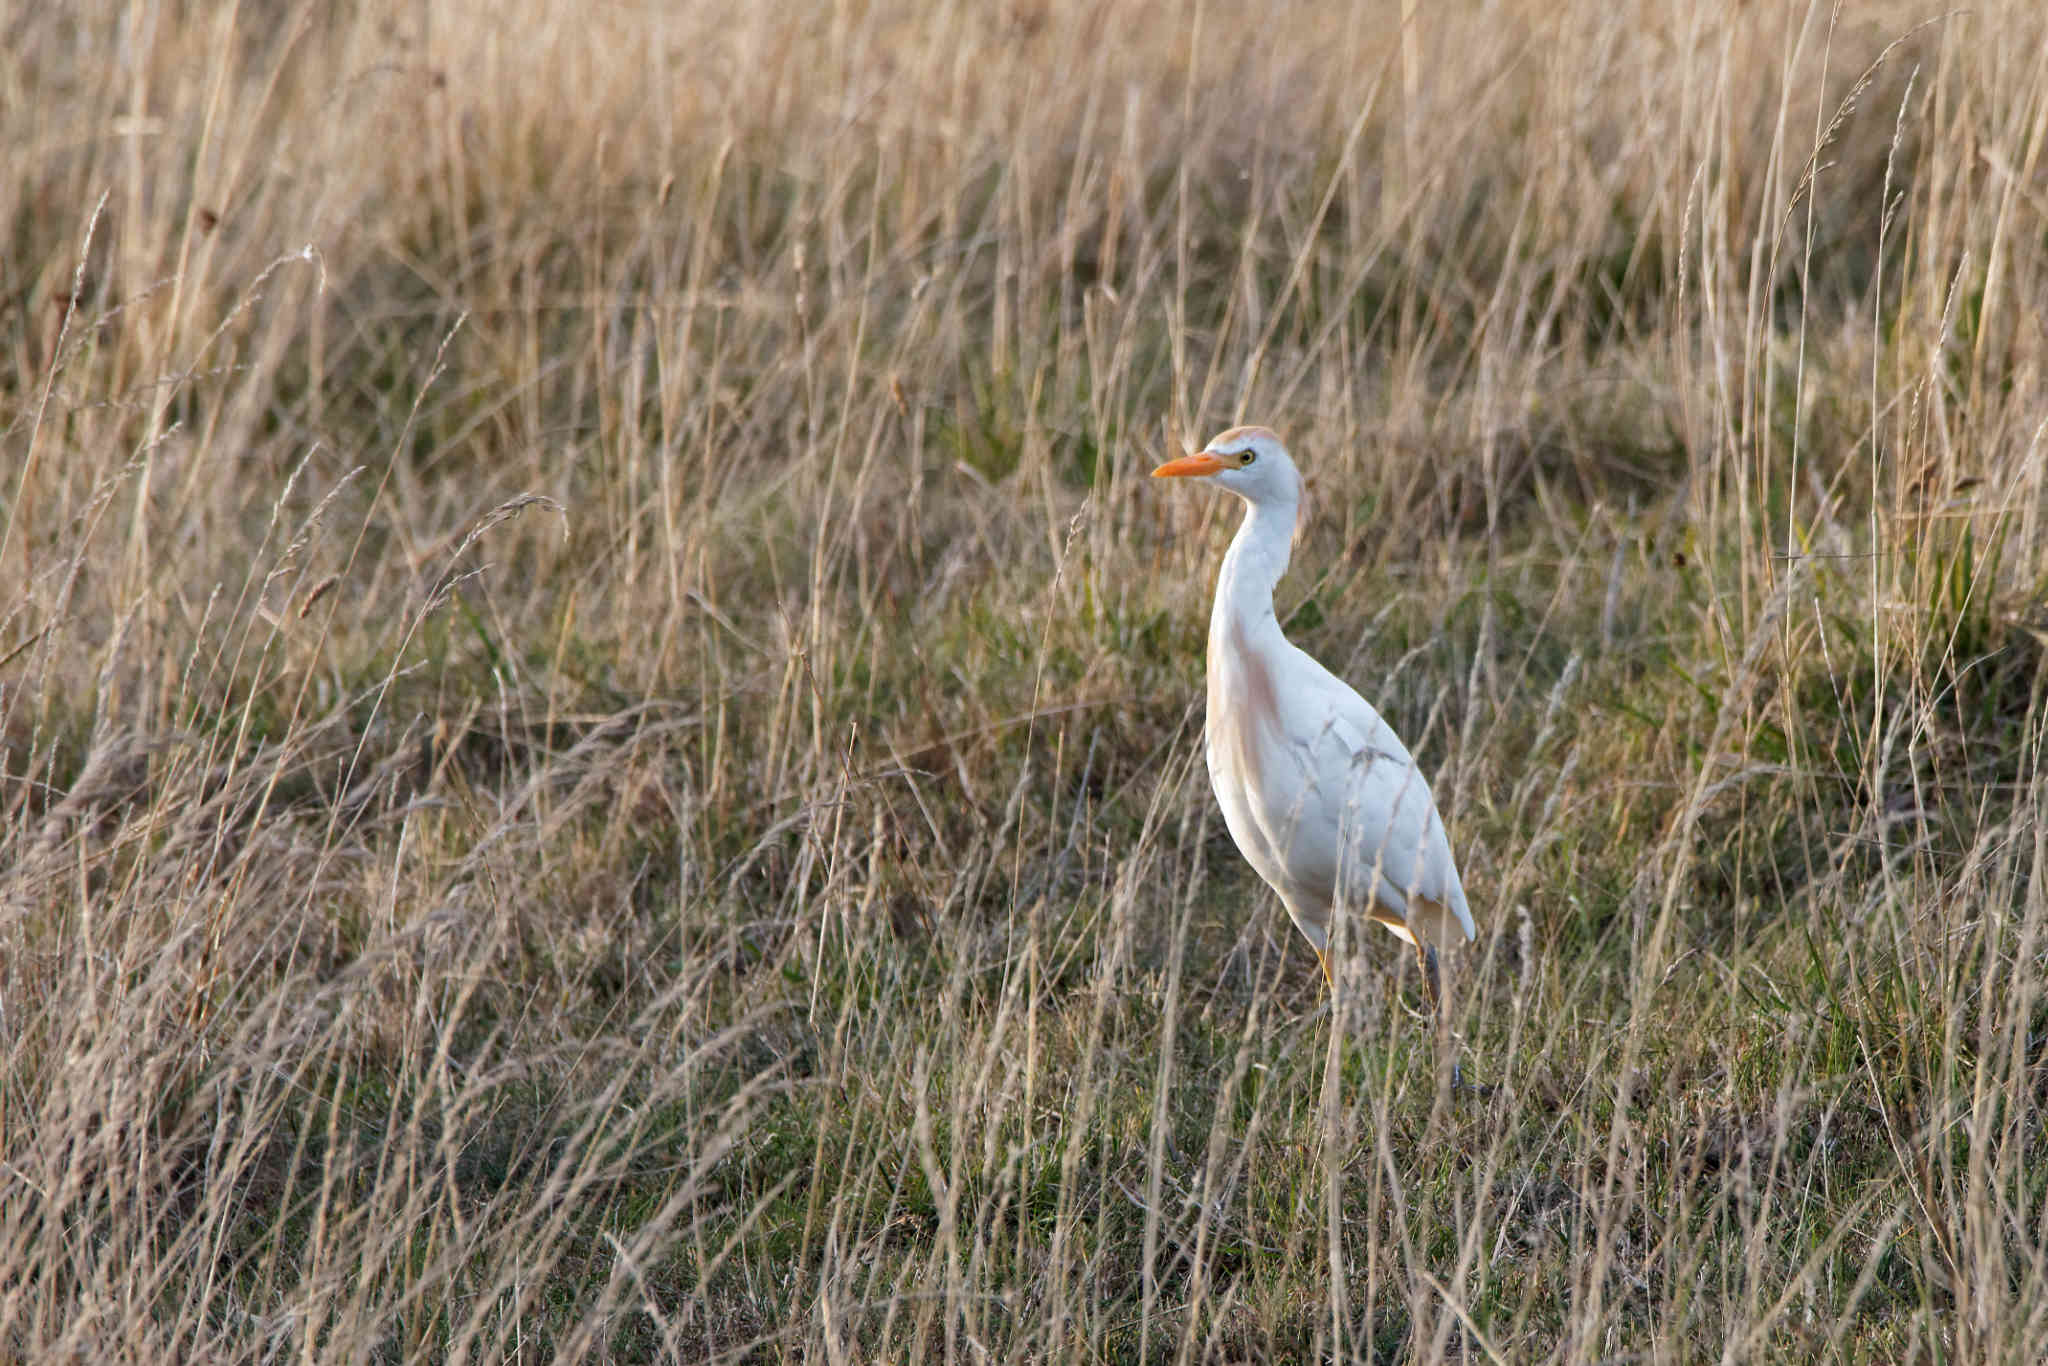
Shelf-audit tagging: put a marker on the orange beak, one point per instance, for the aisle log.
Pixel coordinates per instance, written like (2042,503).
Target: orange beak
(1203,462)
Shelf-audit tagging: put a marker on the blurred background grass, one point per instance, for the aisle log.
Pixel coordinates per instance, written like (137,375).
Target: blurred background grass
(601,730)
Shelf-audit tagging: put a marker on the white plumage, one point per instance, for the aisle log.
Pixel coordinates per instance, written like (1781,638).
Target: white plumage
(1321,796)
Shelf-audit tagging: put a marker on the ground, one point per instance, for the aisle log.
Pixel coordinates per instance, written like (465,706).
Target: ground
(600,729)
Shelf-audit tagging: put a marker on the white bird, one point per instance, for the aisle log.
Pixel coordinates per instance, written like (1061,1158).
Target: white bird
(1322,798)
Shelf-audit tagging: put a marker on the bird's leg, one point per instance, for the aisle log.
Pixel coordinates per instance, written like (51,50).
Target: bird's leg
(1439,1016)
(1328,981)
(1425,958)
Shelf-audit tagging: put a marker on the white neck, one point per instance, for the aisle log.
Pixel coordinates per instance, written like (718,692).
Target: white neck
(1256,560)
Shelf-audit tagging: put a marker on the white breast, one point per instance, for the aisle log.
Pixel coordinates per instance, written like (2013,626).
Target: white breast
(1321,796)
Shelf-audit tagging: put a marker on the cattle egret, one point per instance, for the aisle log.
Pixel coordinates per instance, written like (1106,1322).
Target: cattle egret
(1322,798)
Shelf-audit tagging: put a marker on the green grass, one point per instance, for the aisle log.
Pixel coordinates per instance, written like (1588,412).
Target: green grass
(606,765)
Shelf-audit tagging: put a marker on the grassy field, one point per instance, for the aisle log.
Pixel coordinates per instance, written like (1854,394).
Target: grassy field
(600,728)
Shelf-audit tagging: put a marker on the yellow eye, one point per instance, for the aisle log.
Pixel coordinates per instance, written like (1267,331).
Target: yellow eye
(1246,458)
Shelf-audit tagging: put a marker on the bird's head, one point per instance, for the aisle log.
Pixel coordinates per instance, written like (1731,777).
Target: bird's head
(1248,461)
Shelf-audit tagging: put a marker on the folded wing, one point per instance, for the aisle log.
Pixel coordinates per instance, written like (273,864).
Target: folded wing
(1365,829)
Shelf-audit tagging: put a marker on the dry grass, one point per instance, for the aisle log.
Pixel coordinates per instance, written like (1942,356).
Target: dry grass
(601,728)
